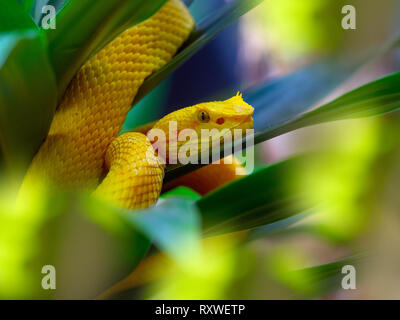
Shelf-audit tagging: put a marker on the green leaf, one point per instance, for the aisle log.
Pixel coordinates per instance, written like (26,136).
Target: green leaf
(173,225)
(206,30)
(271,195)
(375,98)
(92,244)
(285,98)
(27,4)
(84,27)
(13,17)
(328,277)
(39,4)
(277,227)
(28,96)
(182,192)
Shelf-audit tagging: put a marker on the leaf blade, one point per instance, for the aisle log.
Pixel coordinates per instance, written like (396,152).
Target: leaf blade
(27,96)
(270,197)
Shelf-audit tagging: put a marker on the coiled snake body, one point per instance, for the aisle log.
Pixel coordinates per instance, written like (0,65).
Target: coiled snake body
(82,141)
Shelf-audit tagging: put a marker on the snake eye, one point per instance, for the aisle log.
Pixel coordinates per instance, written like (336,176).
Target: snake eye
(203,116)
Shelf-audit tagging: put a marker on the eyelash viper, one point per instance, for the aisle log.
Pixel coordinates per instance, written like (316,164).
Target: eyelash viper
(83,141)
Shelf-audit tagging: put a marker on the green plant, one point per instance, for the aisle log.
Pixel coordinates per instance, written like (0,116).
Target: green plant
(35,67)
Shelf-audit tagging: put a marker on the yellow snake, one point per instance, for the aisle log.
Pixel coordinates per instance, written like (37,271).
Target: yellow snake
(82,149)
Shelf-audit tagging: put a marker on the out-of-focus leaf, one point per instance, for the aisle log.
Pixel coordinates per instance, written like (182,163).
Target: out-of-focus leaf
(276,227)
(173,225)
(206,30)
(374,98)
(27,4)
(328,277)
(85,26)
(13,17)
(38,7)
(28,96)
(91,248)
(91,244)
(378,97)
(182,192)
(271,195)
(285,98)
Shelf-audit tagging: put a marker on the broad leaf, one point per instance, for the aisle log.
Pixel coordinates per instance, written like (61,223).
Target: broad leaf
(27,4)
(181,192)
(271,195)
(277,227)
(375,98)
(14,17)
(285,98)
(90,246)
(173,225)
(91,243)
(325,278)
(28,96)
(37,9)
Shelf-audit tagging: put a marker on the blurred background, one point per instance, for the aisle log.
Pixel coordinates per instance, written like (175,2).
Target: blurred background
(294,56)
(358,181)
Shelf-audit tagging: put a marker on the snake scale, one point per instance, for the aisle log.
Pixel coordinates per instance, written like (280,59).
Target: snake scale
(83,145)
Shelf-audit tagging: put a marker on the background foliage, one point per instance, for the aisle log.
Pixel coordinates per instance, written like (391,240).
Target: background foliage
(328,197)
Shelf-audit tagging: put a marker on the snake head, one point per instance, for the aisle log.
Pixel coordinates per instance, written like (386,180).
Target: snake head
(230,114)
(218,118)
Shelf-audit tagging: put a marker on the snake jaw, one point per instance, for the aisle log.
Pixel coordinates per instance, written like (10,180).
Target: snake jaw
(211,118)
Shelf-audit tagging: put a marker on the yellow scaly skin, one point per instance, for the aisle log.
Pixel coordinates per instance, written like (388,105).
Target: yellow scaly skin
(99,97)
(135,172)
(230,114)
(82,139)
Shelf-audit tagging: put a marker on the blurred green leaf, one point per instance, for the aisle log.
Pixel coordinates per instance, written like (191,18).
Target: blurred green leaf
(378,97)
(285,98)
(205,31)
(27,4)
(328,277)
(182,192)
(270,196)
(91,243)
(13,16)
(37,13)
(277,227)
(374,98)
(28,95)
(91,246)
(85,26)
(173,225)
